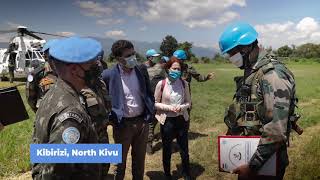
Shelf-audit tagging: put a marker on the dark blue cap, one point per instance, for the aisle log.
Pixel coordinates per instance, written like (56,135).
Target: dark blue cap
(76,50)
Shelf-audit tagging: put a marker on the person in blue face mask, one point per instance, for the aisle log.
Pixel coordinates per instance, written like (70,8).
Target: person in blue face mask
(132,107)
(172,100)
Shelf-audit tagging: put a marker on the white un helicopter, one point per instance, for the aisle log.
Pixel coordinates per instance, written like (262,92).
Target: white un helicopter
(23,54)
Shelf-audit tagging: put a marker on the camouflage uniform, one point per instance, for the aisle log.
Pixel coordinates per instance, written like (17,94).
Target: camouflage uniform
(156,74)
(99,106)
(189,72)
(264,103)
(43,79)
(63,109)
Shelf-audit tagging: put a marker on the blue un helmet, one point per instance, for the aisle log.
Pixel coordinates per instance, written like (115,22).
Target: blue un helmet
(76,50)
(165,58)
(237,34)
(180,54)
(152,53)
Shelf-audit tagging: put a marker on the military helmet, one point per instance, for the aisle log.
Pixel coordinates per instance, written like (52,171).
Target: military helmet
(165,58)
(180,54)
(152,52)
(237,34)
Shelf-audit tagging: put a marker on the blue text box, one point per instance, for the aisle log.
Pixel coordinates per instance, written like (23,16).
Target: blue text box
(75,153)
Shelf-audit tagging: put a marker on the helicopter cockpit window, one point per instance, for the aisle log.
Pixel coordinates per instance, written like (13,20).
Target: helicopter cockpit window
(28,55)
(39,55)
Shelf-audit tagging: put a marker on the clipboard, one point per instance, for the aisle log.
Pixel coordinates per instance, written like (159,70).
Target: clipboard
(12,109)
(234,151)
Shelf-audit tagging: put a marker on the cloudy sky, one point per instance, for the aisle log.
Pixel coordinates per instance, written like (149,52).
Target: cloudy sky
(278,22)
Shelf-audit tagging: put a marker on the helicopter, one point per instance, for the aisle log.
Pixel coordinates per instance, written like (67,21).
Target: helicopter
(23,54)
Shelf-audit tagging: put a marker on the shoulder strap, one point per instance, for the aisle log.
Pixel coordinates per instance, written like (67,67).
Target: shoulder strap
(163,84)
(256,76)
(183,83)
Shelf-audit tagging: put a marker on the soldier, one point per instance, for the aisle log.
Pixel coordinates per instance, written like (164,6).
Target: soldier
(188,71)
(63,115)
(41,79)
(99,106)
(152,57)
(265,99)
(12,61)
(156,73)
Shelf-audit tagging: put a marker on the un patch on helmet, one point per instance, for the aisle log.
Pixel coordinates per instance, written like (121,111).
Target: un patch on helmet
(71,135)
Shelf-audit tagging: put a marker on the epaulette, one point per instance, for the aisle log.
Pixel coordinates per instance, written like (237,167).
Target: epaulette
(266,68)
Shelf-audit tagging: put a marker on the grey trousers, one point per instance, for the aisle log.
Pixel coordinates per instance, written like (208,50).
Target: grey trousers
(132,133)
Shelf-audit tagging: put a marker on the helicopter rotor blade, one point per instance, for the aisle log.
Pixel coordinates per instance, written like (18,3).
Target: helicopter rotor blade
(48,34)
(32,35)
(8,31)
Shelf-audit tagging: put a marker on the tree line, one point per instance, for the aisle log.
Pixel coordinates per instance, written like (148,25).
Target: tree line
(308,50)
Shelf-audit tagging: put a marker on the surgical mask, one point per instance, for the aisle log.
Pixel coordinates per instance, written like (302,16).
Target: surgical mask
(174,74)
(131,62)
(237,60)
(92,75)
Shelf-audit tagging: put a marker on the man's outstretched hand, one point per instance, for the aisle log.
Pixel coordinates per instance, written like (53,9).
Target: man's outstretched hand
(211,76)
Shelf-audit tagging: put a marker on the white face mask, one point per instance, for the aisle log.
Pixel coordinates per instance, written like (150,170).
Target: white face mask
(131,62)
(237,60)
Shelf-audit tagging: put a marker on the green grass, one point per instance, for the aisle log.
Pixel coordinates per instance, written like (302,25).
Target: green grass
(209,101)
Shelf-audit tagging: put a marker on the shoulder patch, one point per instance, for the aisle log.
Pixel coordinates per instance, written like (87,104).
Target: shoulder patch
(70,115)
(71,135)
(30,78)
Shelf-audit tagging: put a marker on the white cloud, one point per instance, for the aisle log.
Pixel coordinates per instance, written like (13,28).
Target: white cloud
(109,21)
(96,9)
(143,28)
(227,17)
(307,25)
(115,34)
(287,33)
(66,33)
(192,13)
(132,9)
(275,27)
(200,23)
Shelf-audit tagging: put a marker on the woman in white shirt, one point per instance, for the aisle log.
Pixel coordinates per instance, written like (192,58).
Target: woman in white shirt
(172,100)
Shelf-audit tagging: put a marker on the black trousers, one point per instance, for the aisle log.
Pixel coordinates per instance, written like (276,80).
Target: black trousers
(175,127)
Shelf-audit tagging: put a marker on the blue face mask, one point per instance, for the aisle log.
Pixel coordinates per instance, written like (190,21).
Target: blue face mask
(174,74)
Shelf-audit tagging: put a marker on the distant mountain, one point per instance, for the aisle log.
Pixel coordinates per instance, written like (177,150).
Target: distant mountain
(142,47)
